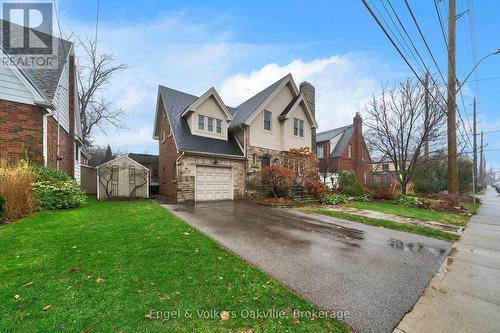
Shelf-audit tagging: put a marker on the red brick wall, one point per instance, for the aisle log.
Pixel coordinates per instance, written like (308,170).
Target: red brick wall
(66,164)
(344,163)
(168,156)
(21,131)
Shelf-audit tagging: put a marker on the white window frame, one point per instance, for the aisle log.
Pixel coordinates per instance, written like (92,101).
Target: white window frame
(202,122)
(299,127)
(270,121)
(219,129)
(322,151)
(349,147)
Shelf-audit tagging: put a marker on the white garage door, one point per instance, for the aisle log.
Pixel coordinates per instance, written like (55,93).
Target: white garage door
(213,183)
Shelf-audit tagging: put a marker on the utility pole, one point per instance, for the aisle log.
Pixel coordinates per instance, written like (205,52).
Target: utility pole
(451,107)
(481,161)
(426,116)
(474,143)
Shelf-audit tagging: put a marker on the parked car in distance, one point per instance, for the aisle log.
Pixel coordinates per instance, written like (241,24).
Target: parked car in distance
(497,187)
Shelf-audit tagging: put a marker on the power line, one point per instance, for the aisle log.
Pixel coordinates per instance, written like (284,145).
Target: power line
(397,48)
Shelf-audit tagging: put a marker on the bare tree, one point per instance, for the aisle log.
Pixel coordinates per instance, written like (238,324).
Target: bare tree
(398,126)
(94,74)
(140,179)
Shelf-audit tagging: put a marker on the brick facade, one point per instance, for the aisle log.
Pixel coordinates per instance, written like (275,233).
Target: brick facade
(66,147)
(168,157)
(21,131)
(361,165)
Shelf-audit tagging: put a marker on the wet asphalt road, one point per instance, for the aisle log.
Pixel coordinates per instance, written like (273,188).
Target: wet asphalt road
(375,274)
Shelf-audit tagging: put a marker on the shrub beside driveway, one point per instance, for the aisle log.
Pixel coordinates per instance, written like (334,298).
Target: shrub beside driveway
(103,267)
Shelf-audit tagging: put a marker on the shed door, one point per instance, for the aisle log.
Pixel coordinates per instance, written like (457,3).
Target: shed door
(213,183)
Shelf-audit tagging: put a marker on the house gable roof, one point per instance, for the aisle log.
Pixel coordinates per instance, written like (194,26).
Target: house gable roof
(209,93)
(345,134)
(175,103)
(45,80)
(247,109)
(122,158)
(297,100)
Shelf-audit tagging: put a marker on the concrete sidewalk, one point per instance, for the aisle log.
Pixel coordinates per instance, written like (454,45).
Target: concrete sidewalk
(464,296)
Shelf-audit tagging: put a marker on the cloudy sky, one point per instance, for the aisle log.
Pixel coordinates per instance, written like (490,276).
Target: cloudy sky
(240,47)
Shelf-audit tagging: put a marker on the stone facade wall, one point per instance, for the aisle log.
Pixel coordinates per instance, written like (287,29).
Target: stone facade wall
(21,131)
(187,175)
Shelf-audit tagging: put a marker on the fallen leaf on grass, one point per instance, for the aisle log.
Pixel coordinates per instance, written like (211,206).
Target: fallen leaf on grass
(224,315)
(186,233)
(74,270)
(88,276)
(46,307)
(100,280)
(16,296)
(27,284)
(295,321)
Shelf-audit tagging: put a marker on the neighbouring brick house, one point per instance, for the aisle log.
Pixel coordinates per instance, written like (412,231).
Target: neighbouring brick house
(344,149)
(210,151)
(39,116)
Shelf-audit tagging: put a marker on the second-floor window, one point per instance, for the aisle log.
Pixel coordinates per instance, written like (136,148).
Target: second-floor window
(298,127)
(210,124)
(201,122)
(320,151)
(349,150)
(267,120)
(385,166)
(363,155)
(219,126)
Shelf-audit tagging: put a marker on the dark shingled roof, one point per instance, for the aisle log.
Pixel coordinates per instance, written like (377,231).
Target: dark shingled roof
(346,131)
(45,80)
(144,159)
(247,108)
(175,102)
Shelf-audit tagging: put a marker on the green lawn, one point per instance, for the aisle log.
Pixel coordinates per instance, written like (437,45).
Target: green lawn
(105,266)
(416,229)
(417,213)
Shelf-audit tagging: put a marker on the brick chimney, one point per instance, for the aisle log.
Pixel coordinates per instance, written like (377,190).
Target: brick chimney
(309,93)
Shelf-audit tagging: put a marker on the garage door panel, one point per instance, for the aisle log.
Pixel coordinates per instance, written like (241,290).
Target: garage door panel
(213,183)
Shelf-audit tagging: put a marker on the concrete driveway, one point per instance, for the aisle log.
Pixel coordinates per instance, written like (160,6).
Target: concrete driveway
(375,274)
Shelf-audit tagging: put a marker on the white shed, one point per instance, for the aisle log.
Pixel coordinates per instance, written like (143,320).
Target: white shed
(122,178)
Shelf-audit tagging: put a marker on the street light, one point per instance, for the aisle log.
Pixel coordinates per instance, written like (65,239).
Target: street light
(460,85)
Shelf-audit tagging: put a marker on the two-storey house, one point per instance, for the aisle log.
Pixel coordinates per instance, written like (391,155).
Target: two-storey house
(211,151)
(344,149)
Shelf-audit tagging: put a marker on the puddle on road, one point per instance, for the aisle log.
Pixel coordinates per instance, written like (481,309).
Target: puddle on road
(414,247)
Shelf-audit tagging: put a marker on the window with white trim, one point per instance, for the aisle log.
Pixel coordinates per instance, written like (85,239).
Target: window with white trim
(219,126)
(201,122)
(267,120)
(210,123)
(350,150)
(298,127)
(320,151)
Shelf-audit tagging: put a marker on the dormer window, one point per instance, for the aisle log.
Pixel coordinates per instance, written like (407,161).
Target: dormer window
(267,120)
(201,122)
(219,126)
(210,124)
